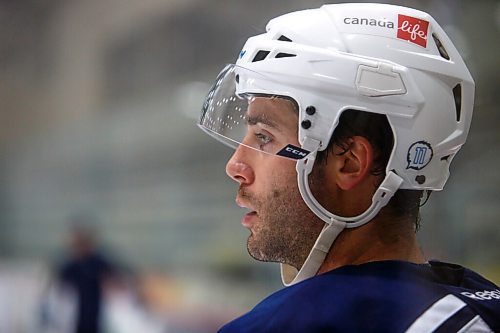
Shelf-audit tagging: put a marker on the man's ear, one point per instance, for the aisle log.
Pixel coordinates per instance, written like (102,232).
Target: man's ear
(355,164)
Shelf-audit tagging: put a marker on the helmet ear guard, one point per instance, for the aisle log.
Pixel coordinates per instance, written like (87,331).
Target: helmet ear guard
(334,224)
(381,197)
(376,58)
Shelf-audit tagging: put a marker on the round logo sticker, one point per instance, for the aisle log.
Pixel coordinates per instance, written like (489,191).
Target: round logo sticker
(419,155)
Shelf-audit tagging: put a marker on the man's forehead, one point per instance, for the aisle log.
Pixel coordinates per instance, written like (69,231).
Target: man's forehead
(273,111)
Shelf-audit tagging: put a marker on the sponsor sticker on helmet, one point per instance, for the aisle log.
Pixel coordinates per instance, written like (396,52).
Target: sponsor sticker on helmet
(294,152)
(373,22)
(419,155)
(403,27)
(413,29)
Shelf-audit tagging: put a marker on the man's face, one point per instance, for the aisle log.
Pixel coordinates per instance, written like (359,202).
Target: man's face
(282,227)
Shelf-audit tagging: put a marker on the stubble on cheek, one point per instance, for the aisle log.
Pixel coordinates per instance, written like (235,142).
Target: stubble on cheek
(286,228)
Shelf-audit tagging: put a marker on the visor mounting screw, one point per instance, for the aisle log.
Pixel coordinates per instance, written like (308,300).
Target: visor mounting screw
(420,179)
(306,124)
(310,110)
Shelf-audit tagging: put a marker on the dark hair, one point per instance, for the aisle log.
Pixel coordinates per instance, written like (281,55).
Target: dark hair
(376,129)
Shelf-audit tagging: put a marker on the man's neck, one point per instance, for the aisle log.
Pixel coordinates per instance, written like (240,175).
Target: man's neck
(378,240)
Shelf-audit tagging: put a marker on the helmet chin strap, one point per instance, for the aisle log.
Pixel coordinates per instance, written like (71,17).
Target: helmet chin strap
(334,224)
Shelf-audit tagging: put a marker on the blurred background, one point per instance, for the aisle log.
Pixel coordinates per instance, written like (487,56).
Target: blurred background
(100,158)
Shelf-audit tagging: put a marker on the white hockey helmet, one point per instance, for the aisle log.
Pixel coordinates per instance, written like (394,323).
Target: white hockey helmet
(376,58)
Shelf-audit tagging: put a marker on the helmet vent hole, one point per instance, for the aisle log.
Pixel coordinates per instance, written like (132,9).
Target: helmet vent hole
(285,55)
(448,158)
(457,93)
(420,179)
(440,47)
(284,39)
(261,55)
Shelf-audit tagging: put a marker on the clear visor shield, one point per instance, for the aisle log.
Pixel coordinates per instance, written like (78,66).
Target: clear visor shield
(238,111)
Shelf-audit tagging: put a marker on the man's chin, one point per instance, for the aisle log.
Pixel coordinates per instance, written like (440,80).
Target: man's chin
(257,253)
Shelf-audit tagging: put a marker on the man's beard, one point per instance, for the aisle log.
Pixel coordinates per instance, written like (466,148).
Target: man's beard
(287,228)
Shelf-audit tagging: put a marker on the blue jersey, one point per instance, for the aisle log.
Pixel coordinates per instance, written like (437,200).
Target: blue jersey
(384,296)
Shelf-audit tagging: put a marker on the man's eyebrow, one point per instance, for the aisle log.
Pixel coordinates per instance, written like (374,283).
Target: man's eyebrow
(254,120)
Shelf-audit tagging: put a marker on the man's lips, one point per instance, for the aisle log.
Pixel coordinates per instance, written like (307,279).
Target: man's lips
(248,218)
(243,204)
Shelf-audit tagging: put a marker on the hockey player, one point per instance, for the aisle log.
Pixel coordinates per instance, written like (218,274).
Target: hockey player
(343,118)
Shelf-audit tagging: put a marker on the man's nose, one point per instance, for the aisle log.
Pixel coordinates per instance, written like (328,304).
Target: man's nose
(238,169)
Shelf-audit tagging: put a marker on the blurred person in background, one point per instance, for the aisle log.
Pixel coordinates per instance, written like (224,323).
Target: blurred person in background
(85,273)
(344,118)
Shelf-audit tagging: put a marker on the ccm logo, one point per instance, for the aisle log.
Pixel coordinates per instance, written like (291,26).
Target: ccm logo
(295,151)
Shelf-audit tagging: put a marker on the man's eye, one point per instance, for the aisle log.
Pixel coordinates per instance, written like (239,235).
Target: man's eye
(262,139)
